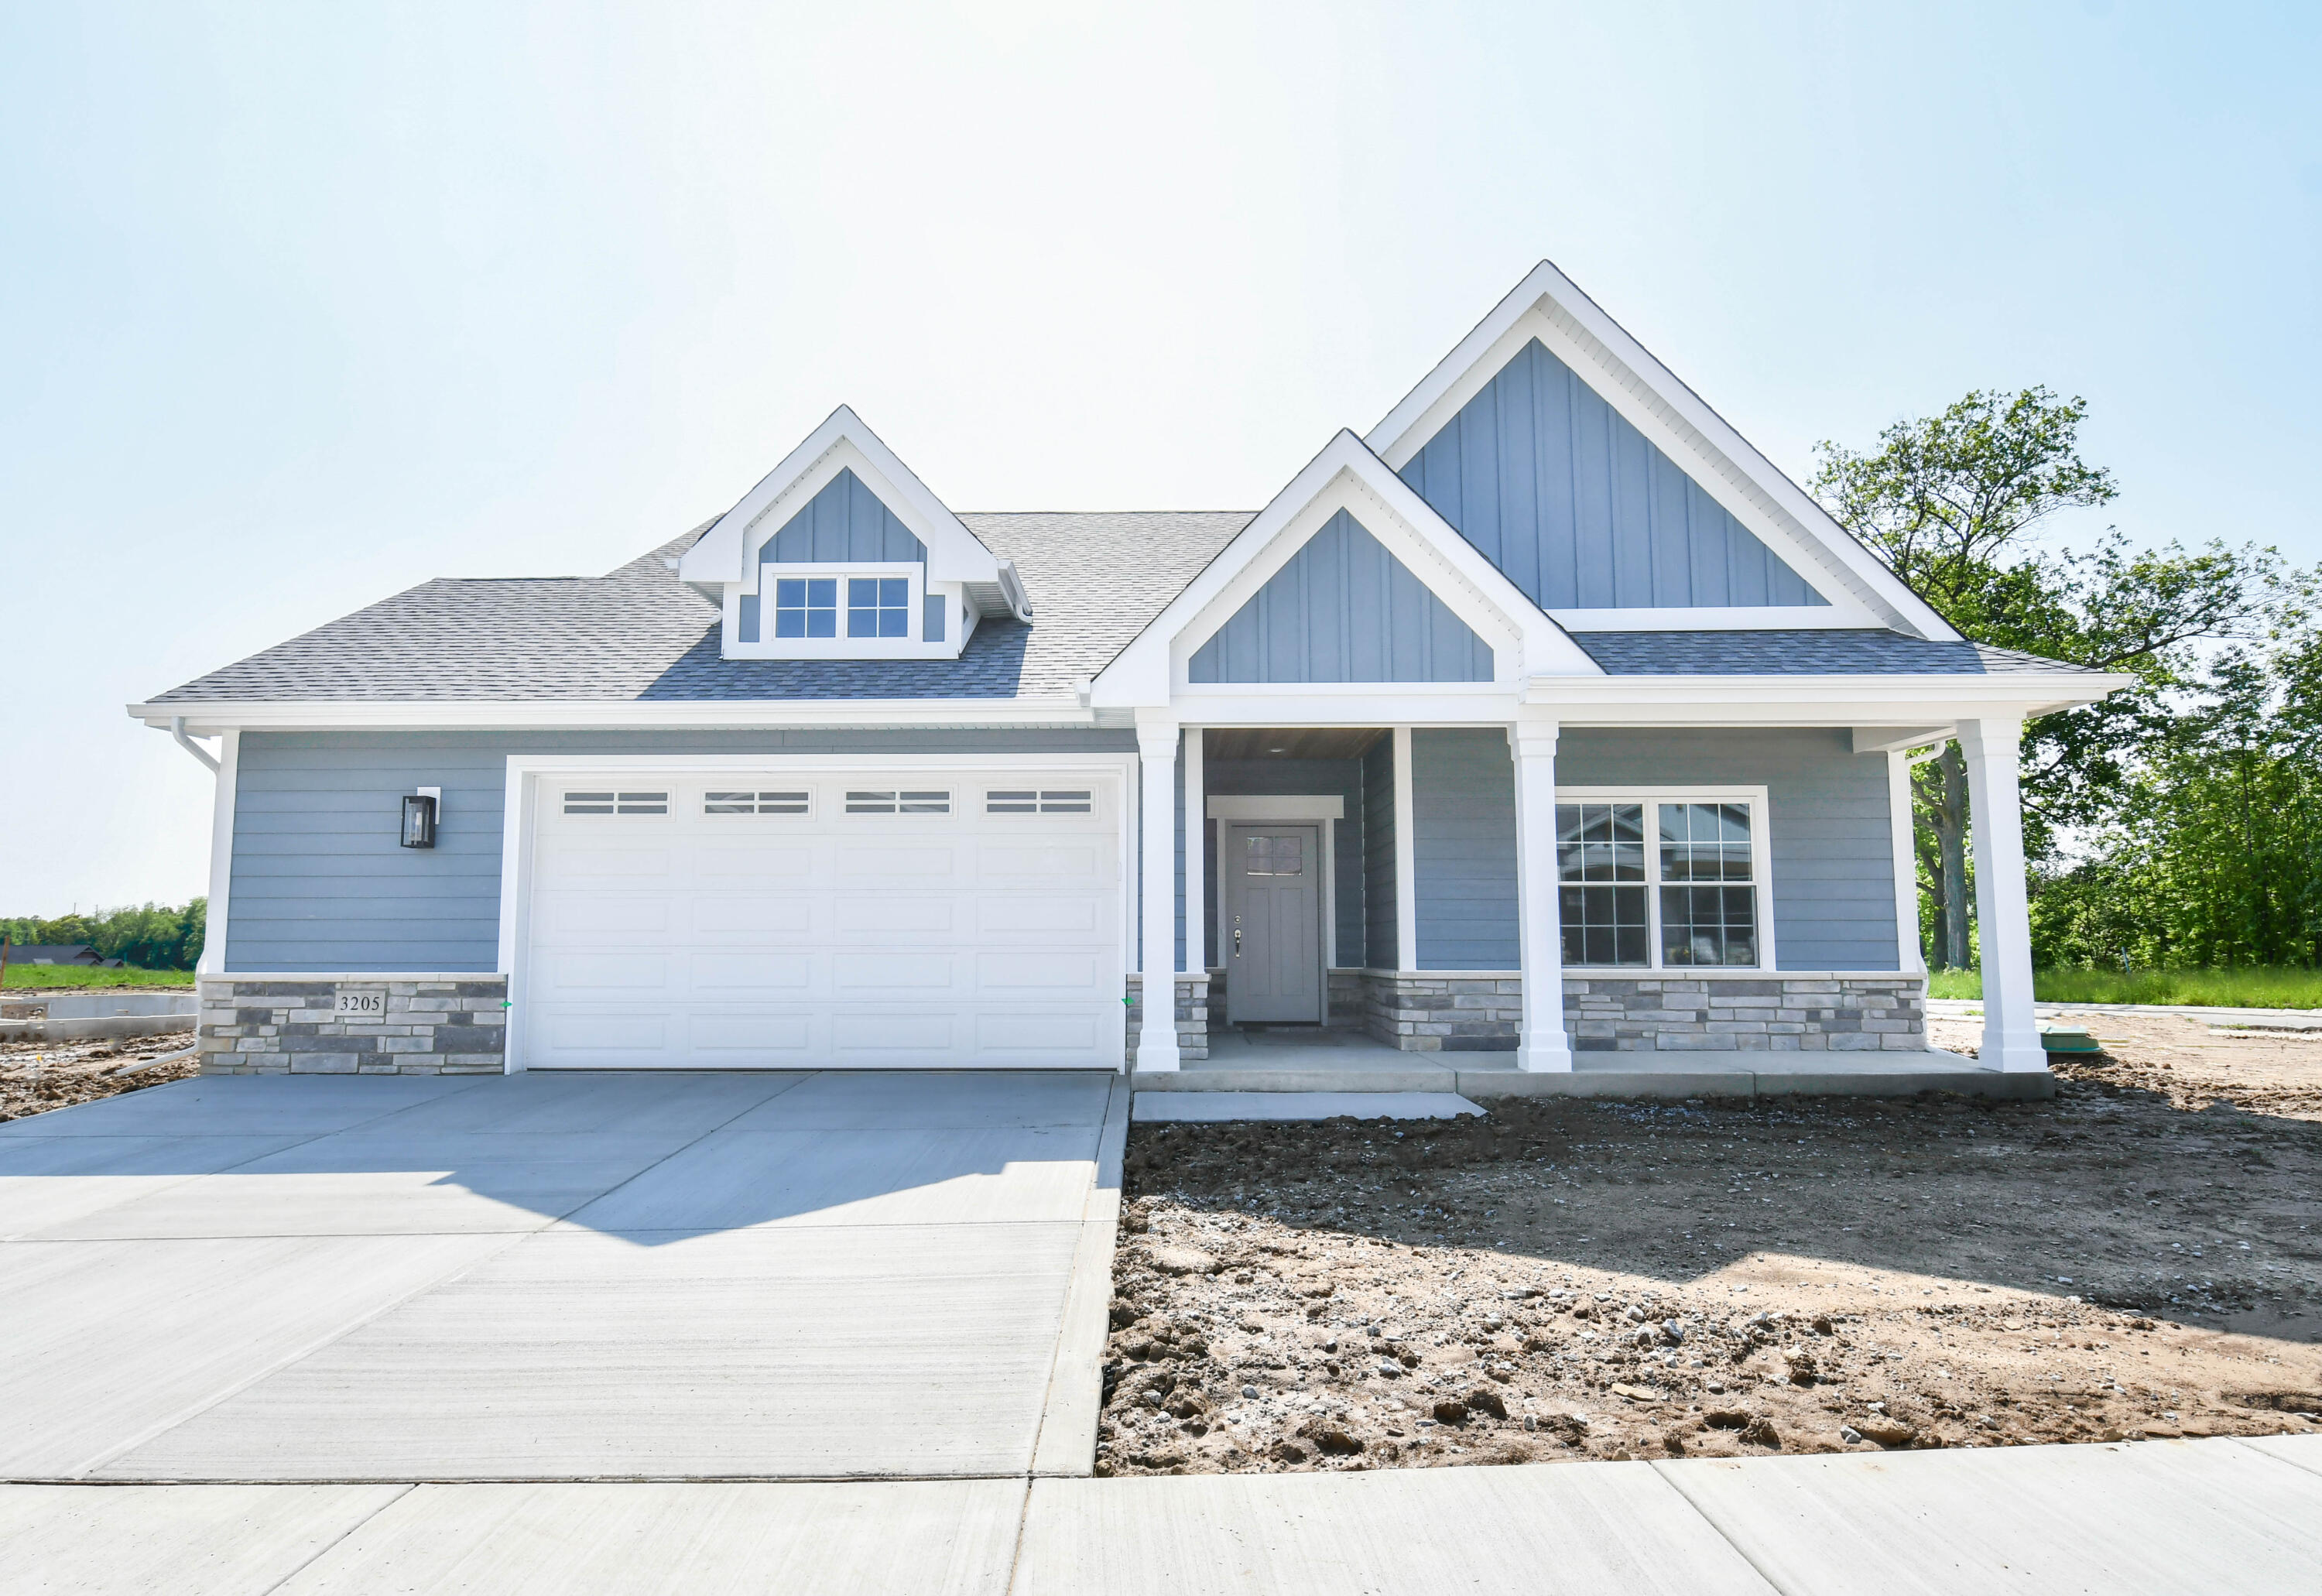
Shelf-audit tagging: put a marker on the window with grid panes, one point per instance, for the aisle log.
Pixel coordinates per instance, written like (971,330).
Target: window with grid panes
(1687,896)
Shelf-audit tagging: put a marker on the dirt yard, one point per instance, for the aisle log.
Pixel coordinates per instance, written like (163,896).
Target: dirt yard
(38,1076)
(1578,1280)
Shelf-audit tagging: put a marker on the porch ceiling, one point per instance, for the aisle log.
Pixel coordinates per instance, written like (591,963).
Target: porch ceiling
(1295,743)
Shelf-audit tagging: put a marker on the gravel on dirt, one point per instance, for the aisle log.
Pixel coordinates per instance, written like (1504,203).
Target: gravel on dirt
(1581,1278)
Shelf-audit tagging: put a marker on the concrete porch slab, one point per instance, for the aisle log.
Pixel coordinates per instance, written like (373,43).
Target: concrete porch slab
(1365,1065)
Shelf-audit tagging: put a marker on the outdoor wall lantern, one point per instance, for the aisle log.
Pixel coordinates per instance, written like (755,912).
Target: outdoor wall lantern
(419,812)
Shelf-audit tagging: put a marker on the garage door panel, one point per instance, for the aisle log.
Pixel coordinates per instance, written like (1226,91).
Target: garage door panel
(1050,972)
(788,1035)
(1016,1031)
(630,1030)
(616,914)
(580,864)
(901,1034)
(724,973)
(889,913)
(916,973)
(895,863)
(809,936)
(1046,917)
(753,916)
(624,971)
(728,861)
(1042,864)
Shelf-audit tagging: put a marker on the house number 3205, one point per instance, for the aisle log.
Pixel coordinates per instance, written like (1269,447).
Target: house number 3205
(361,1003)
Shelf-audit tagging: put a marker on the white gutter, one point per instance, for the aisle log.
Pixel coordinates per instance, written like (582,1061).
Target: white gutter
(177,731)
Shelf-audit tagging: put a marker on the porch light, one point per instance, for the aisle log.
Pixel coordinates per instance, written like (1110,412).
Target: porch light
(419,817)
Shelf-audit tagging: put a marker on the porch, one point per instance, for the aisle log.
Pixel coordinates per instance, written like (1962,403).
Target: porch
(1731,911)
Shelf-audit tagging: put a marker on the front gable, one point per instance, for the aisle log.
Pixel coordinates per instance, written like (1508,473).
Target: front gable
(1582,511)
(1342,609)
(1650,512)
(1348,576)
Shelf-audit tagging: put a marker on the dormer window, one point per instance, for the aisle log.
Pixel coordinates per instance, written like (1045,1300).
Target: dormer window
(876,606)
(841,553)
(808,606)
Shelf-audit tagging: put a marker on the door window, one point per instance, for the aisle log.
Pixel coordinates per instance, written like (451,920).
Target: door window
(1276,856)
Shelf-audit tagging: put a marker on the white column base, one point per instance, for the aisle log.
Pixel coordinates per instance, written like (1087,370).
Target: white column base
(1555,1057)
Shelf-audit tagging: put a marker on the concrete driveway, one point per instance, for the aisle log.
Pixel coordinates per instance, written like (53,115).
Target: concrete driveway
(559,1277)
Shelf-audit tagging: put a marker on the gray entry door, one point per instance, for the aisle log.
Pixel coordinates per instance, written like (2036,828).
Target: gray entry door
(1271,933)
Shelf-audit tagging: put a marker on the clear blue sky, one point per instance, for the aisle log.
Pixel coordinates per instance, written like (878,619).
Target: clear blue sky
(305,303)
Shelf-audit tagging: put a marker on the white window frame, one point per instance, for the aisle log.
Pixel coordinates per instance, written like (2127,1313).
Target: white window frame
(911,646)
(1761,873)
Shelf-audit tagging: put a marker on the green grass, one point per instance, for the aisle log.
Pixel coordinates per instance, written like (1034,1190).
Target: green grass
(56,977)
(2259,986)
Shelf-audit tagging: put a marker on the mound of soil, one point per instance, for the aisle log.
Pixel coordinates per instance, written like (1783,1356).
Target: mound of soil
(1571,1279)
(38,1076)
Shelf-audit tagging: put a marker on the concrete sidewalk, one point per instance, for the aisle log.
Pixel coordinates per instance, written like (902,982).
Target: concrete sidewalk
(2179,1518)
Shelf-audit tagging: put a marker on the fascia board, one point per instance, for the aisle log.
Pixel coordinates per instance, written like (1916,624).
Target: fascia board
(954,554)
(207,718)
(1345,475)
(1651,397)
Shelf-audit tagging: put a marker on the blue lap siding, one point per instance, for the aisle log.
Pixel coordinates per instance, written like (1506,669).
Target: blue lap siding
(1826,824)
(319,882)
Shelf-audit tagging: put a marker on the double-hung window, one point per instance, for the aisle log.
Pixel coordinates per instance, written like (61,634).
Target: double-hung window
(1665,882)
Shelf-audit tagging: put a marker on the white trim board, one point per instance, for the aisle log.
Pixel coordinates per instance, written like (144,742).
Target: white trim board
(217,917)
(1277,807)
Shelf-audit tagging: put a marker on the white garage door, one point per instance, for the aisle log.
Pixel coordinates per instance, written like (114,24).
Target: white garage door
(916,920)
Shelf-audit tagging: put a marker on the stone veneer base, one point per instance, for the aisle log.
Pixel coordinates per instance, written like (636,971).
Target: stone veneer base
(1669,1011)
(453,1023)
(1193,1015)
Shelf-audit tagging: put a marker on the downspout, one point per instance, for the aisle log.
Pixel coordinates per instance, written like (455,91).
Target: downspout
(177,731)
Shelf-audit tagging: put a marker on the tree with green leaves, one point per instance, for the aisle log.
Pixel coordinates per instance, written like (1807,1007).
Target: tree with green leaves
(1958,505)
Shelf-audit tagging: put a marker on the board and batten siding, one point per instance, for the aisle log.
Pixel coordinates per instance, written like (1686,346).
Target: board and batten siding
(1826,832)
(1343,609)
(1581,510)
(319,882)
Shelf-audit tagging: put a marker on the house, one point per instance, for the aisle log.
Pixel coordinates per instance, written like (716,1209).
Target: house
(1545,718)
(60,953)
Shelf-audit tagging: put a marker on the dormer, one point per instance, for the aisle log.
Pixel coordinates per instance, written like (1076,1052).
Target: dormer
(842,554)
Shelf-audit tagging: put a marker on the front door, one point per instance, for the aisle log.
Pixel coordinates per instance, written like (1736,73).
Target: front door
(1272,934)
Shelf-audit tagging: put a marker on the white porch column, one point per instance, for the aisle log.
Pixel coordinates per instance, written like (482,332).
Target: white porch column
(1197,836)
(1157,901)
(2011,1035)
(1540,938)
(228,780)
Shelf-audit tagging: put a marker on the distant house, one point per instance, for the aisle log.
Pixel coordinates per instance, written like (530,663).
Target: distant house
(60,953)
(1547,718)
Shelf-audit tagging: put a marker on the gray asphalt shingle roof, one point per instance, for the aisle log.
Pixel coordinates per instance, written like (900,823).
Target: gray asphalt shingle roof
(1095,581)
(1868,651)
(638,632)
